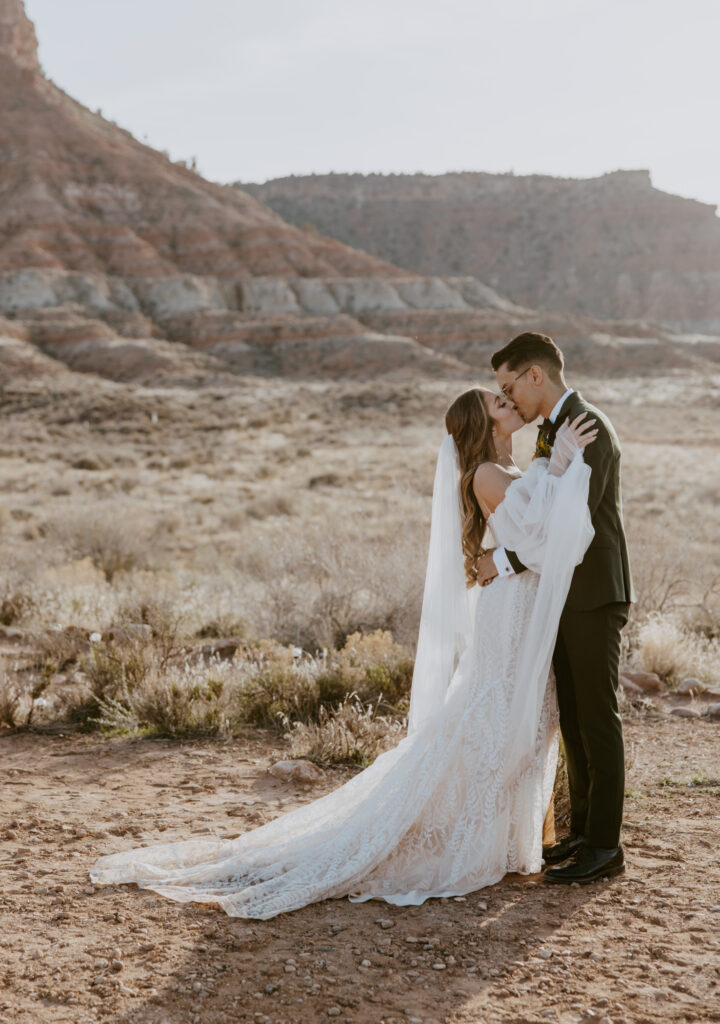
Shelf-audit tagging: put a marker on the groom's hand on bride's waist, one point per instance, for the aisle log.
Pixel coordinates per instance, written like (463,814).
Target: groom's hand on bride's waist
(486,568)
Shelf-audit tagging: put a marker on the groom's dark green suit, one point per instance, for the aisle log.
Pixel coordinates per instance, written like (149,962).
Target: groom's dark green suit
(587,652)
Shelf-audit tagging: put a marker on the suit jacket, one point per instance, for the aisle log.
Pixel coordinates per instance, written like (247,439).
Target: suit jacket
(603,576)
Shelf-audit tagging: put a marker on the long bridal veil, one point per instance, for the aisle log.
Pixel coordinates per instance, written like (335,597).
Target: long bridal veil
(445,624)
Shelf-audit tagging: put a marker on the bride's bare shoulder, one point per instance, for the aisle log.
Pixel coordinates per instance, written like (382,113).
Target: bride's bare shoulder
(488,473)
(490,483)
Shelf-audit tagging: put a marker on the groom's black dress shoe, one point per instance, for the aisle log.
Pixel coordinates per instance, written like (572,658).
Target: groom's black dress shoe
(562,850)
(588,864)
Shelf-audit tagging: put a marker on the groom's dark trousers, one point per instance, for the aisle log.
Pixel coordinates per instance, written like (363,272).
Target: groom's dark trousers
(586,661)
(587,652)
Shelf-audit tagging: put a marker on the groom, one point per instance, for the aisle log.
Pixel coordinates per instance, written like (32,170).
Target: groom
(587,652)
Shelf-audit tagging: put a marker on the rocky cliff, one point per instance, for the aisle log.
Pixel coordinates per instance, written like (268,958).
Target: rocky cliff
(116,261)
(612,246)
(80,193)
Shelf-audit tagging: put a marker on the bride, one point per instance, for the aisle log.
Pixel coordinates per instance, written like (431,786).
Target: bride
(461,800)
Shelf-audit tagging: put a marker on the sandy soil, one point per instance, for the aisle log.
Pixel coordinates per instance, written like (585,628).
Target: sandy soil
(641,948)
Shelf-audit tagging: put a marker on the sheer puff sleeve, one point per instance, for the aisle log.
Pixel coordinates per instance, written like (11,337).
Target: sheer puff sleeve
(546,520)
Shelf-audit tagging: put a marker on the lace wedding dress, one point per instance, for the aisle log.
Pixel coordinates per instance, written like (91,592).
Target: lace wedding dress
(460,801)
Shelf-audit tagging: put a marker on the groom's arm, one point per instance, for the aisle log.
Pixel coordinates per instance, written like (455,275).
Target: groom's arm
(600,457)
(512,560)
(497,562)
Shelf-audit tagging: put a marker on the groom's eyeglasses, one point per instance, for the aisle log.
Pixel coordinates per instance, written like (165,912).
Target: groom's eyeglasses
(507,388)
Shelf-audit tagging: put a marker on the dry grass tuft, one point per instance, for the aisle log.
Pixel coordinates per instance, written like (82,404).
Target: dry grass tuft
(115,542)
(181,702)
(16,601)
(276,693)
(283,686)
(663,644)
(56,650)
(353,733)
(9,699)
(374,667)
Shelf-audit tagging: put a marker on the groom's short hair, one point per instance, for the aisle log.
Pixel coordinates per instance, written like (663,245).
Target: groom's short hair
(527,349)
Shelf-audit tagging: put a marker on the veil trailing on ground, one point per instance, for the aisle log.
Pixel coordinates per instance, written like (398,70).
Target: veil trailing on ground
(445,623)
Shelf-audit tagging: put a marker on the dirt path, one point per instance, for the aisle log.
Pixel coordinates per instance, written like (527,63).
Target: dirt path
(641,948)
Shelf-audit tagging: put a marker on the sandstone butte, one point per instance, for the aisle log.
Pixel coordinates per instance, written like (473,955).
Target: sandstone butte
(611,246)
(118,264)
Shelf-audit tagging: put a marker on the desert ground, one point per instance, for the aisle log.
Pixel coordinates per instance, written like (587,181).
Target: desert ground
(642,947)
(297,515)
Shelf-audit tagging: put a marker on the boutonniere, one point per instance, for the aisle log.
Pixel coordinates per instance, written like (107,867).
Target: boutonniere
(543,448)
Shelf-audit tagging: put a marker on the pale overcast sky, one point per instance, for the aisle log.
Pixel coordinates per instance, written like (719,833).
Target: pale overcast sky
(257,89)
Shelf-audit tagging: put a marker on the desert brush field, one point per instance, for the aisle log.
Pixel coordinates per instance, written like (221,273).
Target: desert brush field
(197,584)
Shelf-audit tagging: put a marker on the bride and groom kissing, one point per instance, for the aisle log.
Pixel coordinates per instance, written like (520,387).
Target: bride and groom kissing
(516,639)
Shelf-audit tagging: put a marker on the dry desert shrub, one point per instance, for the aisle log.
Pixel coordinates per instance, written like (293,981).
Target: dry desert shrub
(114,540)
(93,670)
(665,586)
(41,590)
(663,644)
(314,587)
(55,650)
(17,601)
(158,617)
(352,733)
(374,667)
(198,699)
(174,605)
(143,639)
(283,686)
(269,505)
(339,693)
(225,623)
(181,702)
(118,664)
(208,602)
(277,689)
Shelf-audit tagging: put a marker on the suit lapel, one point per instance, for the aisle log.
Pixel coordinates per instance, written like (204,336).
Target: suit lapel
(567,409)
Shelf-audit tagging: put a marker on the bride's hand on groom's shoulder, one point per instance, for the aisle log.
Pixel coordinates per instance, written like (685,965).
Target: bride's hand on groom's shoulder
(579,433)
(570,439)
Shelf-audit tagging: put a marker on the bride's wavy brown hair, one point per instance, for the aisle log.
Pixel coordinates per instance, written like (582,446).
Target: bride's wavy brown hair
(468,421)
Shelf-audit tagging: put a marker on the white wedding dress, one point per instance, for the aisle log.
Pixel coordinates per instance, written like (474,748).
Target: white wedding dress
(461,800)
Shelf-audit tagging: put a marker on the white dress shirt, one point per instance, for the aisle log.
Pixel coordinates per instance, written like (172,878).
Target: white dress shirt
(500,558)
